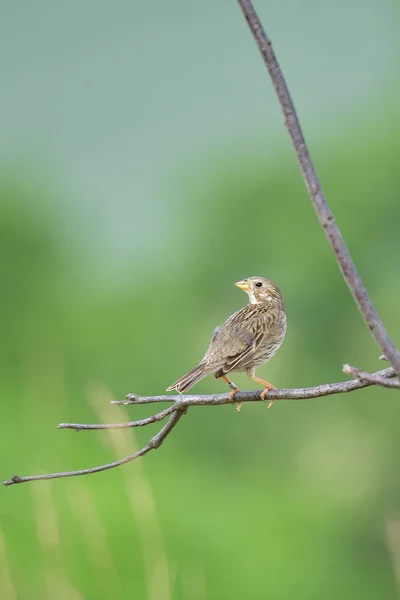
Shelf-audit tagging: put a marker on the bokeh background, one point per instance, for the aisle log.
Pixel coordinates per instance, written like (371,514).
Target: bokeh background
(144,168)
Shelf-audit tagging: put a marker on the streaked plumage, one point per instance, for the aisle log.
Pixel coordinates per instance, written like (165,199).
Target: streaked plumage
(246,340)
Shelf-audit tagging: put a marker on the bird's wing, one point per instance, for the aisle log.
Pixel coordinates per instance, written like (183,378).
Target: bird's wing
(237,339)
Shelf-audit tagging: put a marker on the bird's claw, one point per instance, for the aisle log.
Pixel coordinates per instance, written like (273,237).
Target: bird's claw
(264,393)
(231,399)
(233,392)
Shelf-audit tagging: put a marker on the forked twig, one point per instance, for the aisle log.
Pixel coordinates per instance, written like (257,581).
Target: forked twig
(374,378)
(180,406)
(154,443)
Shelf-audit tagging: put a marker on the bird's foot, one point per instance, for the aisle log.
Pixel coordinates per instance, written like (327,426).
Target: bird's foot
(265,392)
(267,386)
(233,392)
(234,389)
(231,398)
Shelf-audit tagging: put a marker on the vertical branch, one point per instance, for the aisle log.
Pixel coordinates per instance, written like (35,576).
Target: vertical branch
(324,213)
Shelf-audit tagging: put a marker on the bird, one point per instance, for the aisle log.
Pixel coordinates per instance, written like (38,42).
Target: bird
(247,339)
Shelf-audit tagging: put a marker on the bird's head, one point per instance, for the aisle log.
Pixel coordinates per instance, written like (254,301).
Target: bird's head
(260,289)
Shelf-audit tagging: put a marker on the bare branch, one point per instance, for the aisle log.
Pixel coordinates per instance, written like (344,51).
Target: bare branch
(371,377)
(324,213)
(154,443)
(326,389)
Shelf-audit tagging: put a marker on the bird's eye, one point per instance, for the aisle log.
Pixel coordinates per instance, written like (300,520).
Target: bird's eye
(258,283)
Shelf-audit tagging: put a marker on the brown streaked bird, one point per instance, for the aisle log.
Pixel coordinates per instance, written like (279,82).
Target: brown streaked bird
(245,341)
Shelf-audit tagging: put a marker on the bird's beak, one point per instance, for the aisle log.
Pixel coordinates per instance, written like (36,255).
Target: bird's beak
(243,285)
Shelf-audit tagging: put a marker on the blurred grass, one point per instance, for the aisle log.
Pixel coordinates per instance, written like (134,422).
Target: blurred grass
(291,503)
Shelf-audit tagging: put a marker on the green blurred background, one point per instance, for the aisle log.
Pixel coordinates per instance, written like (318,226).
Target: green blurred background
(144,168)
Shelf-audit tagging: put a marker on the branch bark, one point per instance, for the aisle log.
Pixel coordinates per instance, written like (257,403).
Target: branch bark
(180,406)
(324,213)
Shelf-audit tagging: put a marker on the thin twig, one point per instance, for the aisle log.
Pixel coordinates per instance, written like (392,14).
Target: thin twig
(153,419)
(154,443)
(324,213)
(371,377)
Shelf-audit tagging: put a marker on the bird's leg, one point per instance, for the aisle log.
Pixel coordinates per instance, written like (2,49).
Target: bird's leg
(234,389)
(268,386)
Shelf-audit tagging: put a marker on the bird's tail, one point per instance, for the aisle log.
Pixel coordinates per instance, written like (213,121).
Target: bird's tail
(187,381)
